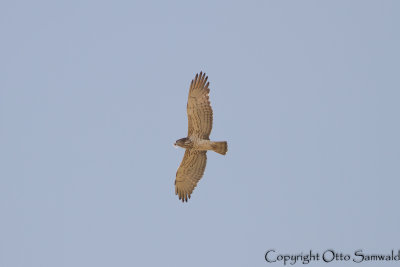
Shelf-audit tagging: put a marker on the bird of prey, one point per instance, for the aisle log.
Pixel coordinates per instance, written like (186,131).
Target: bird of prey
(197,142)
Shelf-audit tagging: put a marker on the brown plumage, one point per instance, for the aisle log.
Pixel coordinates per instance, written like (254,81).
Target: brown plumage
(197,142)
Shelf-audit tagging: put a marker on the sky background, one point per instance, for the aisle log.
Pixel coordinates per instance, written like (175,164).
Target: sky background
(93,96)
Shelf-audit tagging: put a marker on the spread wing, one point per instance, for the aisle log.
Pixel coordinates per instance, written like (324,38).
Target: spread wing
(200,114)
(189,173)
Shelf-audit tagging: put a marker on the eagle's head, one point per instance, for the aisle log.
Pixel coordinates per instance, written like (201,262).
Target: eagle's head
(183,142)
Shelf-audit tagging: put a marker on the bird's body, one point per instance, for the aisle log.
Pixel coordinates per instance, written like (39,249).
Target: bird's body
(202,145)
(197,142)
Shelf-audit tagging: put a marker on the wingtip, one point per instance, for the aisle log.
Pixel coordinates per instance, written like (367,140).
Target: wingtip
(201,74)
(183,198)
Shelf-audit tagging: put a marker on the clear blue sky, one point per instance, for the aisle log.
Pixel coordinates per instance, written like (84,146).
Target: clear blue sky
(93,96)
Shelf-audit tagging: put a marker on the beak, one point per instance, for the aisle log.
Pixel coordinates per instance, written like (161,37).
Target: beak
(175,145)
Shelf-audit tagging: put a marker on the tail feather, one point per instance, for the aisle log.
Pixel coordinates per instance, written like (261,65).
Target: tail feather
(220,147)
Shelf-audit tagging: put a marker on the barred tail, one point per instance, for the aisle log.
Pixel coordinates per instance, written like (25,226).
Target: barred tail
(220,147)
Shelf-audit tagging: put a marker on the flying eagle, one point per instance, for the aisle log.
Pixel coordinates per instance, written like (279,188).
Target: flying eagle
(197,142)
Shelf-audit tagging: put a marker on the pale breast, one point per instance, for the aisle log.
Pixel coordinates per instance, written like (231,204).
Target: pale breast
(200,144)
